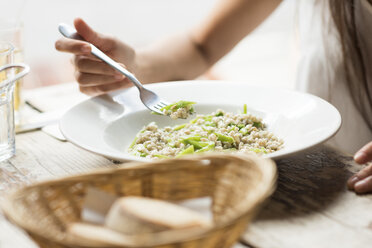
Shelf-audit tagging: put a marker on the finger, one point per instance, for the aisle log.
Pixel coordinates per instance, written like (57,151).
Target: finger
(92,36)
(364,186)
(365,172)
(87,65)
(72,46)
(352,180)
(102,89)
(90,56)
(364,155)
(89,79)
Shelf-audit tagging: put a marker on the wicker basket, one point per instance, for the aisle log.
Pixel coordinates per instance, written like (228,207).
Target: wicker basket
(237,185)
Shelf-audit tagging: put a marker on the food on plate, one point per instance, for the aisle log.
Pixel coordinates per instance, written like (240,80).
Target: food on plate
(181,109)
(218,131)
(136,215)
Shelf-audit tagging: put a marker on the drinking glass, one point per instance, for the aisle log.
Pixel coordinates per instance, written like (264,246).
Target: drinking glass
(11,30)
(8,78)
(6,57)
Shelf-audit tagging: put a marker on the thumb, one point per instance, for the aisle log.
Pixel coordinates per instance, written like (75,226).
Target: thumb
(88,33)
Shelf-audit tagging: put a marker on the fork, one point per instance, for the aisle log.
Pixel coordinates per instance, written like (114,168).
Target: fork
(151,100)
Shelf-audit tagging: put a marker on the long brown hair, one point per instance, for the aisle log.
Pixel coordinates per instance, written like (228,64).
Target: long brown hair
(343,14)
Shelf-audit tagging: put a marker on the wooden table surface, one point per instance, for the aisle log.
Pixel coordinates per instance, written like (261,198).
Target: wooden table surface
(310,208)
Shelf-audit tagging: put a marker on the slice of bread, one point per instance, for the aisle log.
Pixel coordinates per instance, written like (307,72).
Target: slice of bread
(97,236)
(136,215)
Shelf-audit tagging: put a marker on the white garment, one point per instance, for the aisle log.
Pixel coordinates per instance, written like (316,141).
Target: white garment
(320,72)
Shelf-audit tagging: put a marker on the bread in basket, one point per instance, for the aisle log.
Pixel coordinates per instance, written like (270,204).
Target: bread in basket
(237,185)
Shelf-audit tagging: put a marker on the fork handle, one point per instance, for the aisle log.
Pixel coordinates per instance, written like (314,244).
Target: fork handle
(99,54)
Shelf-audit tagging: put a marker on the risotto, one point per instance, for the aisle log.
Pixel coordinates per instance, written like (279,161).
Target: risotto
(181,109)
(219,131)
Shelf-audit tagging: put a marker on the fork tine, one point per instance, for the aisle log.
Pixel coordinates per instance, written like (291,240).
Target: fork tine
(156,109)
(163,104)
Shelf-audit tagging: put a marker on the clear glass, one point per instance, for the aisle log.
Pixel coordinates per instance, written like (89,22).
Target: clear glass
(11,30)
(7,134)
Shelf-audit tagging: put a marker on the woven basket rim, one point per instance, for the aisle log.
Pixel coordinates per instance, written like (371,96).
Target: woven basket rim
(140,165)
(264,189)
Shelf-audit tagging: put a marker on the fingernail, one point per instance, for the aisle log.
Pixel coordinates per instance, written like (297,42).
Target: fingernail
(360,156)
(85,49)
(119,76)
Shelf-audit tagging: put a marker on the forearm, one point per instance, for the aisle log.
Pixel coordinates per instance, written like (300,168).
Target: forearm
(229,23)
(189,55)
(175,58)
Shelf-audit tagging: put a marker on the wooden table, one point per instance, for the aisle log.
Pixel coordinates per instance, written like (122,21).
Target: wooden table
(310,208)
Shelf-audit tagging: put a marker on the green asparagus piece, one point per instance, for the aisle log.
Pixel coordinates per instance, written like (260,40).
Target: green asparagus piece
(209,147)
(179,127)
(142,154)
(186,139)
(188,150)
(225,138)
(195,141)
(240,126)
(180,104)
(134,142)
(193,121)
(257,124)
(219,114)
(244,131)
(259,150)
(208,118)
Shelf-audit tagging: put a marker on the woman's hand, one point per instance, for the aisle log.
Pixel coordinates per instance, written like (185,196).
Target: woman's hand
(94,76)
(362,181)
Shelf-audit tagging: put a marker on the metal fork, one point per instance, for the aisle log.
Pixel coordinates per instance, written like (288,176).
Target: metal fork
(151,100)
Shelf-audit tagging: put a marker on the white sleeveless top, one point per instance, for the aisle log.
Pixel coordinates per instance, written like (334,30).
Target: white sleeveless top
(320,69)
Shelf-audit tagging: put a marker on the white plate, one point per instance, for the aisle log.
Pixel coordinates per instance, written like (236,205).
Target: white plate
(107,124)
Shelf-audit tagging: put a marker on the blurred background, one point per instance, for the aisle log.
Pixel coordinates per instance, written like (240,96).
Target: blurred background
(265,57)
